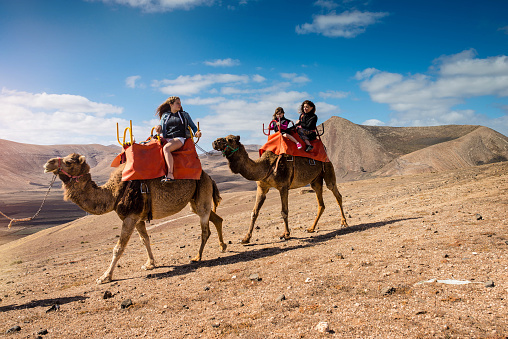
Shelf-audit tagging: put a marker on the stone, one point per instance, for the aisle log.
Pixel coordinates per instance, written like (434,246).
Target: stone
(323,327)
(255,277)
(107,295)
(489,283)
(388,290)
(281,297)
(13,329)
(126,303)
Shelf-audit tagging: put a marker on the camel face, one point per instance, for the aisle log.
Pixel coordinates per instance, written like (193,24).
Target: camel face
(221,144)
(74,164)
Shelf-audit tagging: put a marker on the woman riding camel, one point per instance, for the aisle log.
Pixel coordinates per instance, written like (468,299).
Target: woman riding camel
(306,125)
(174,130)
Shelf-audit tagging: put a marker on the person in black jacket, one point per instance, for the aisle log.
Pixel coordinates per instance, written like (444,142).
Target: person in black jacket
(306,125)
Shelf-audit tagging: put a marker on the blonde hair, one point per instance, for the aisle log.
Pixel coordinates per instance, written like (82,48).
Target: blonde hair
(166,106)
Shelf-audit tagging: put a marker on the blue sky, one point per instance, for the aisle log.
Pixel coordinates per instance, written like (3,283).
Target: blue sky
(71,69)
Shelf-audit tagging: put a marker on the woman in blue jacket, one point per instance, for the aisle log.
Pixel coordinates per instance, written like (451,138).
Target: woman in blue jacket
(174,130)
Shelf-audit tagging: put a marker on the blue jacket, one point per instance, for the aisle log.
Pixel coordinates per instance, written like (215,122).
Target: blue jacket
(185,119)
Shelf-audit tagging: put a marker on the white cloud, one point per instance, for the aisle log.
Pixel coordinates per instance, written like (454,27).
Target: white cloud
(347,24)
(422,99)
(223,62)
(131,81)
(334,94)
(190,85)
(41,118)
(326,4)
(159,5)
(373,122)
(295,78)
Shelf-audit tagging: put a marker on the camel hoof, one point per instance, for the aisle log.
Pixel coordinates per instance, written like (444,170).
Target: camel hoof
(196,258)
(148,267)
(103,280)
(285,236)
(310,230)
(246,241)
(223,247)
(344,223)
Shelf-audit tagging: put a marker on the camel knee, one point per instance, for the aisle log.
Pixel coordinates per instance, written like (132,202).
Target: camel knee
(284,214)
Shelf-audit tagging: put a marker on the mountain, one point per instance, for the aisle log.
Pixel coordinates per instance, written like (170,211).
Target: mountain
(357,152)
(361,152)
(21,166)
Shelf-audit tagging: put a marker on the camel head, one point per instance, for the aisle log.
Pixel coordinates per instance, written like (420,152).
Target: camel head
(73,166)
(227,145)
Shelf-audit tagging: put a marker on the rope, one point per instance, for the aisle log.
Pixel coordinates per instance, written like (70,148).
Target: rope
(36,213)
(202,150)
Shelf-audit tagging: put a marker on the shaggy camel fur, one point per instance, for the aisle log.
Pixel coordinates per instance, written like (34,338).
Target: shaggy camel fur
(291,173)
(133,207)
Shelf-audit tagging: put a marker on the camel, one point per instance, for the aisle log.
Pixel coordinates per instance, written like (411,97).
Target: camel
(291,173)
(133,206)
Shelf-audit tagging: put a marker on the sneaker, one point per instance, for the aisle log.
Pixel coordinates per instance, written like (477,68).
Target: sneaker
(309,148)
(298,145)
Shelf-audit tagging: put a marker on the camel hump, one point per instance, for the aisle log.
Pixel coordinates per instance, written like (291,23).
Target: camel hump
(279,145)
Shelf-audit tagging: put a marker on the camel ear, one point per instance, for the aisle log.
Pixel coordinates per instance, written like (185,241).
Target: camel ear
(237,138)
(81,159)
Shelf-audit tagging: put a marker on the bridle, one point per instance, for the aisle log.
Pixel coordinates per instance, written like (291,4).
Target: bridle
(60,169)
(233,151)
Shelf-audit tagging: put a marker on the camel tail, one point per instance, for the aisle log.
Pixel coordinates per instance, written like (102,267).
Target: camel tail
(216,196)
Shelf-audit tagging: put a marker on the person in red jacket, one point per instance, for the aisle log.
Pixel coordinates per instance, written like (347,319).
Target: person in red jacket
(280,122)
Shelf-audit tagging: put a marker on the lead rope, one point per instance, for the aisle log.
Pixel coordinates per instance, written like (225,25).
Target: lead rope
(36,213)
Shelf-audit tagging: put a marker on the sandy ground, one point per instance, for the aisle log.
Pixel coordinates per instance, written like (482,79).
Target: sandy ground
(424,256)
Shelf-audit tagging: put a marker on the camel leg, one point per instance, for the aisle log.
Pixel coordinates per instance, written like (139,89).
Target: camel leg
(260,199)
(205,234)
(317,186)
(217,221)
(284,199)
(127,229)
(143,235)
(333,187)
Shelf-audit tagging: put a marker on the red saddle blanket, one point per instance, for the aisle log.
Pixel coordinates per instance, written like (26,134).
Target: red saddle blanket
(146,161)
(280,145)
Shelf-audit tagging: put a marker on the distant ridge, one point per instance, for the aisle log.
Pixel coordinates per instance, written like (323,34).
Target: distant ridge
(357,152)
(21,165)
(361,152)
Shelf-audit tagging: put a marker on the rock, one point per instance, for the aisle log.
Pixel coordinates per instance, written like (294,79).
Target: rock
(339,255)
(323,327)
(489,283)
(126,303)
(281,297)
(478,216)
(53,308)
(13,329)
(207,288)
(42,332)
(388,290)
(255,277)
(107,295)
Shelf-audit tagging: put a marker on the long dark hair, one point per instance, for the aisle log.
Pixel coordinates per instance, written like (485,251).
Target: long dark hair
(311,104)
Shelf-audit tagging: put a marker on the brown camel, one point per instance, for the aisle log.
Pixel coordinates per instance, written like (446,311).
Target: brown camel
(133,206)
(292,172)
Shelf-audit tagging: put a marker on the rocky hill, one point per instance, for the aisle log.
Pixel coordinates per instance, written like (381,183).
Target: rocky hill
(360,152)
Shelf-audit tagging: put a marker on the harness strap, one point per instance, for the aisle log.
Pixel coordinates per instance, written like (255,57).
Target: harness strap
(67,174)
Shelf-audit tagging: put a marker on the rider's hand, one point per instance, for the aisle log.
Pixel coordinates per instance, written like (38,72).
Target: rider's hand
(198,134)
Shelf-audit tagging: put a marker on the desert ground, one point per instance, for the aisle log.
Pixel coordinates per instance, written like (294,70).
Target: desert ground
(424,256)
